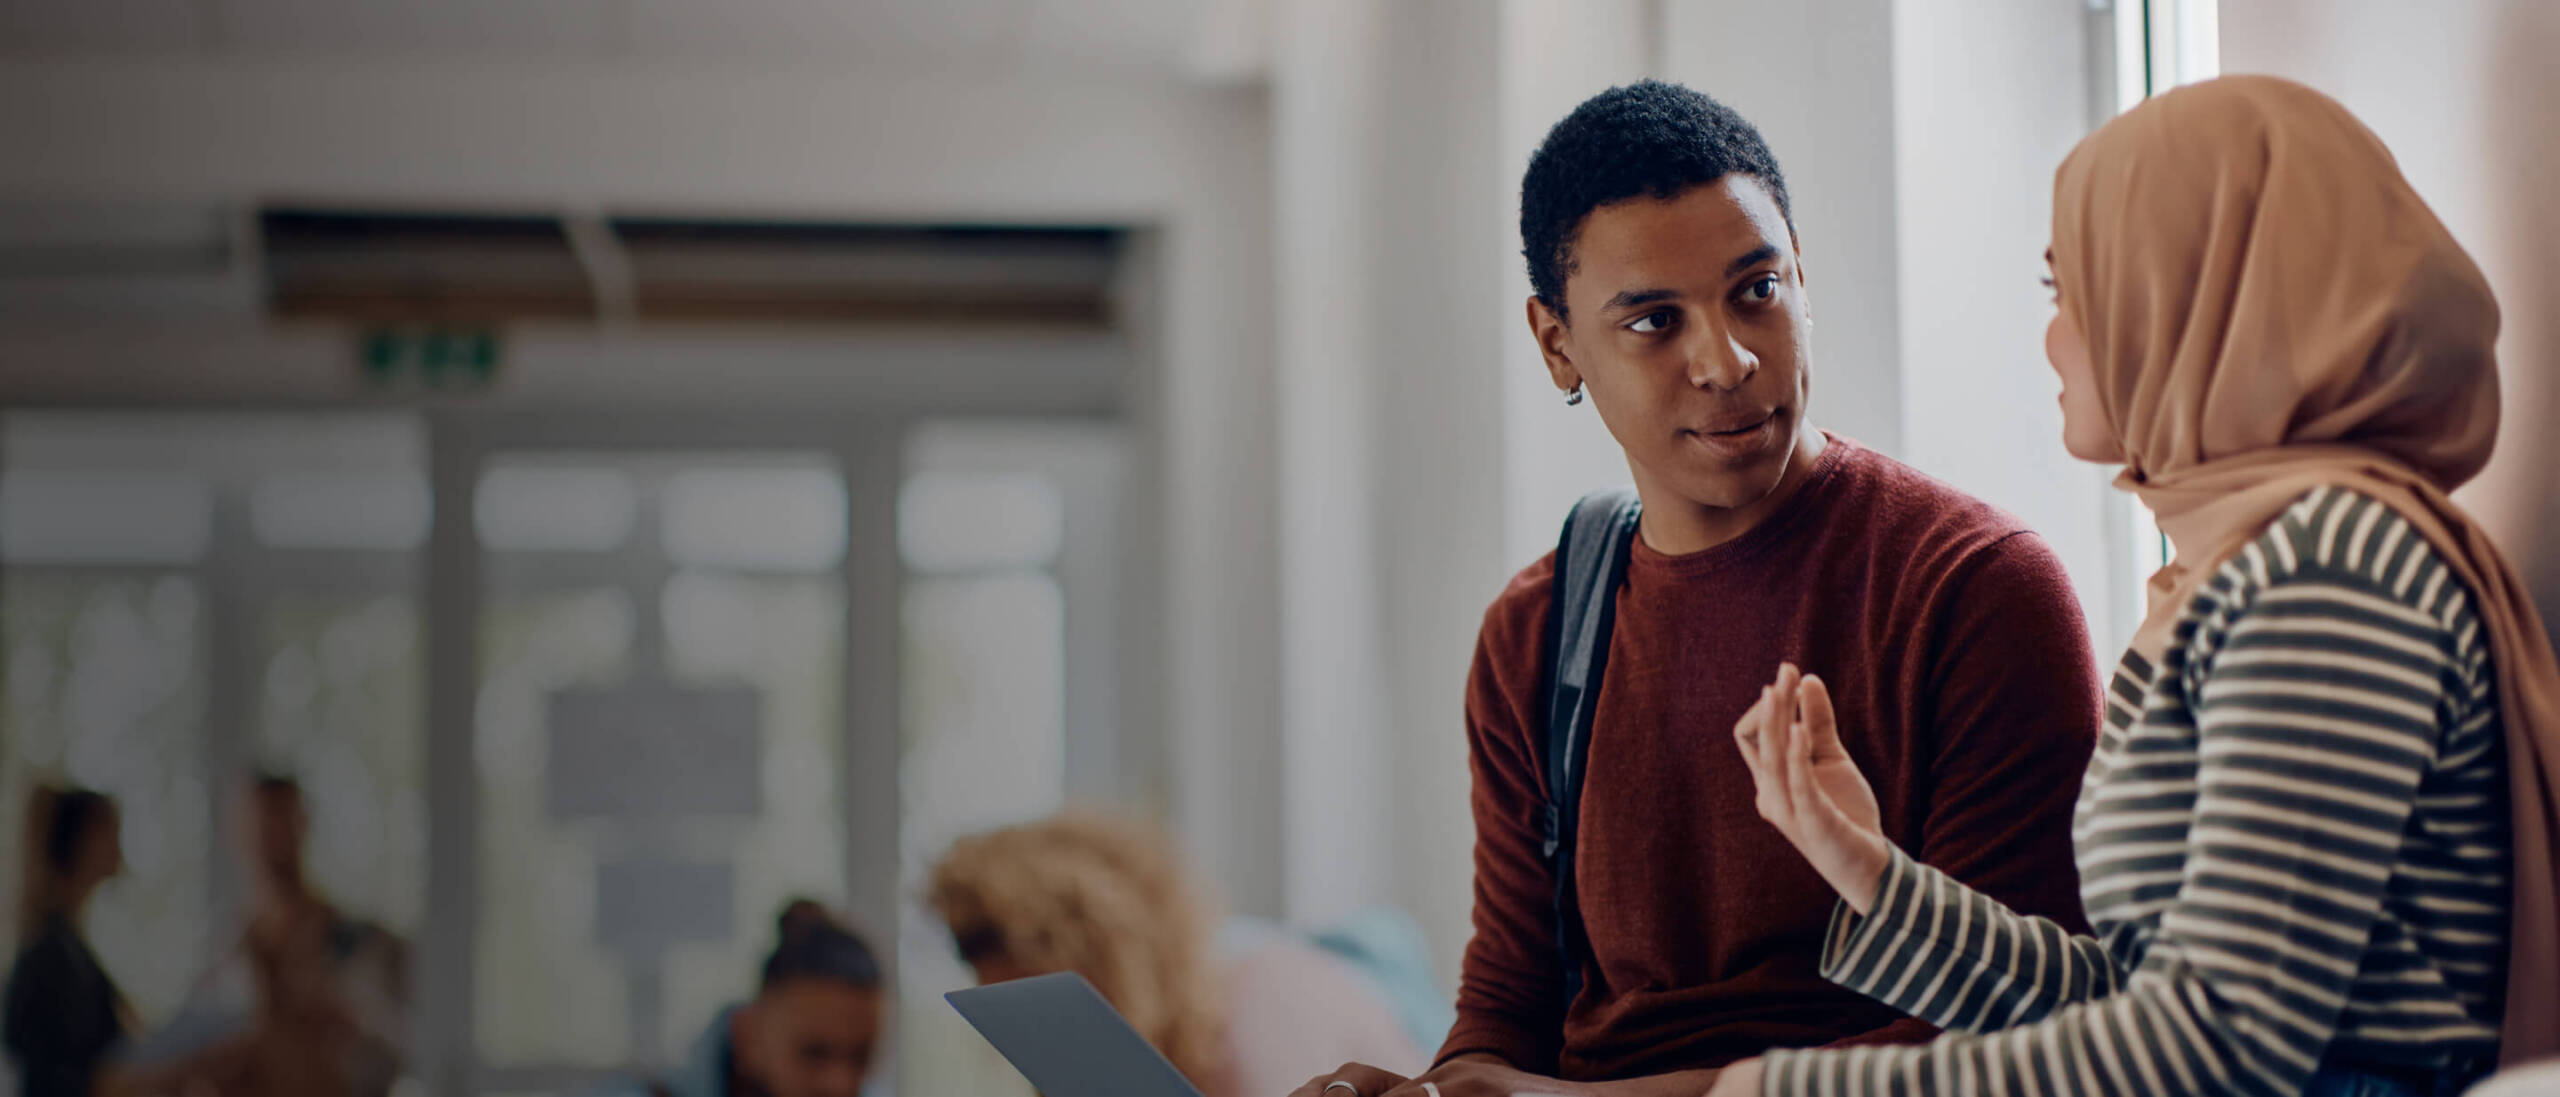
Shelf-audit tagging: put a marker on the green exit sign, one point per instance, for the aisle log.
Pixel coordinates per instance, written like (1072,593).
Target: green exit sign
(431,358)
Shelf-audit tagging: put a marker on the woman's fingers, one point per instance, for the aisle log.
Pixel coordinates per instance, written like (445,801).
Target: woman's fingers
(1748,731)
(1799,759)
(1814,697)
(1749,725)
(1772,750)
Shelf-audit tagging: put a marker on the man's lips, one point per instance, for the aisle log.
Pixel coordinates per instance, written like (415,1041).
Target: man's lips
(1735,424)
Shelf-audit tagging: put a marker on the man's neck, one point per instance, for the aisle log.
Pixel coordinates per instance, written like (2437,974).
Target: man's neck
(1677,527)
(288,892)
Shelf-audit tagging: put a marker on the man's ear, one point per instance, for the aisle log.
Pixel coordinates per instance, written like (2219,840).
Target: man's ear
(1549,330)
(1798,246)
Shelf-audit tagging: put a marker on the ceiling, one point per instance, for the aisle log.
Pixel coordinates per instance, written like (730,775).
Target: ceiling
(1198,38)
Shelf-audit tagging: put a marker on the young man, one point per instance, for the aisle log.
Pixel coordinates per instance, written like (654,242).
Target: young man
(1668,287)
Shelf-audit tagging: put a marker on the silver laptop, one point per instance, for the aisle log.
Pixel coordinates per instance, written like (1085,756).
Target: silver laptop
(1060,1034)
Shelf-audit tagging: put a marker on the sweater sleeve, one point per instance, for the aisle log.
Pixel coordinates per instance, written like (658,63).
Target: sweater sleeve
(2013,715)
(1511,983)
(2314,729)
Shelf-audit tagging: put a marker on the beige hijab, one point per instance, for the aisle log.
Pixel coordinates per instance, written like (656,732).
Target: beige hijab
(2269,308)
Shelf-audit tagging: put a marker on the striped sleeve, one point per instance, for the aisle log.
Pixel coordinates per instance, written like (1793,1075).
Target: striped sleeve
(2315,724)
(1954,957)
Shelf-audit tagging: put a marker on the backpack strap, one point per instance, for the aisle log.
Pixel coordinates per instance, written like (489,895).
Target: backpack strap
(1591,563)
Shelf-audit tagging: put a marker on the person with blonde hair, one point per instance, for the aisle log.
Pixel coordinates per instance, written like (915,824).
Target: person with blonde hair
(1106,898)
(2317,839)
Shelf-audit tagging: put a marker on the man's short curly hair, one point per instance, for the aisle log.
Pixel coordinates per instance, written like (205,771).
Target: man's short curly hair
(1646,139)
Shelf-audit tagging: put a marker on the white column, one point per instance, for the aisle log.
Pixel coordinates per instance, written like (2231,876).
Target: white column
(1213,407)
(1406,375)
(1333,708)
(1987,97)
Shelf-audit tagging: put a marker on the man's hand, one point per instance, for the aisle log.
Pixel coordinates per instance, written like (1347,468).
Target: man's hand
(1477,1076)
(1485,1076)
(1739,1080)
(1810,790)
(1351,1080)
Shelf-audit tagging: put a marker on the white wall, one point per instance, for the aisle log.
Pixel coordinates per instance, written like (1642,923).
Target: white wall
(1425,457)
(2463,92)
(1390,197)
(1987,99)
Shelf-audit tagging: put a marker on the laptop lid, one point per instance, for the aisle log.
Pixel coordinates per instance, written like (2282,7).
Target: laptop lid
(1058,1031)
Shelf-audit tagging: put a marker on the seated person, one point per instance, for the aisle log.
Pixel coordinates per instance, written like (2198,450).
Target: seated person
(2297,839)
(1240,1014)
(1669,293)
(812,1029)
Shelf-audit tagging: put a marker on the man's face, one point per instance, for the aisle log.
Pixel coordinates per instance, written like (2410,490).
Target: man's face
(808,1038)
(1688,324)
(277,827)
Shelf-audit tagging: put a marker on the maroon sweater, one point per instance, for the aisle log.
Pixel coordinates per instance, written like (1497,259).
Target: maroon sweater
(1966,691)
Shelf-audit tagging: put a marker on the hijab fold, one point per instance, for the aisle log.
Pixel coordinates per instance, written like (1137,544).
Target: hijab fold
(2270,308)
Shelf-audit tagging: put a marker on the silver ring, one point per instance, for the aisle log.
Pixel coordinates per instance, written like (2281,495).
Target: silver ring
(1355,1090)
(1429,1090)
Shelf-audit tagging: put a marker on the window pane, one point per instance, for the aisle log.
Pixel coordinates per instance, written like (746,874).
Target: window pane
(545,987)
(542,507)
(777,519)
(661,755)
(986,746)
(86,517)
(106,689)
(955,522)
(340,510)
(341,705)
(783,636)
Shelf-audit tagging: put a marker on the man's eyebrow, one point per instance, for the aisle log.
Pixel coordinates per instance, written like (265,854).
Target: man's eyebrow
(1638,298)
(1750,259)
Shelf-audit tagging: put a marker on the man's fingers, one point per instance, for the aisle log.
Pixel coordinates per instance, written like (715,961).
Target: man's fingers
(1356,1080)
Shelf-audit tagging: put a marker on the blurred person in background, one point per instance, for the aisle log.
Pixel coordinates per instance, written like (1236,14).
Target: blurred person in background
(325,993)
(65,1019)
(64,1013)
(1240,1013)
(812,1030)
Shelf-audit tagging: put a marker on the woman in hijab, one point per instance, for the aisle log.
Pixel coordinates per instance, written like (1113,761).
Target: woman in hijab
(2317,836)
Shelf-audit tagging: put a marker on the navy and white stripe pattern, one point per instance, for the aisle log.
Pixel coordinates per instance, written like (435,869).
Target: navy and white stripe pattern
(2292,841)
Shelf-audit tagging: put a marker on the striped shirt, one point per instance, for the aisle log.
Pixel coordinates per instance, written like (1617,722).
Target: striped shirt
(2292,841)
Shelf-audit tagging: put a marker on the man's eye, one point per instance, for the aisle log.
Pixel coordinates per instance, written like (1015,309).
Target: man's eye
(1651,322)
(1761,290)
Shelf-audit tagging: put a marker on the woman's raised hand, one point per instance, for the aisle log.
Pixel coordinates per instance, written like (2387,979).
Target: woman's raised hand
(1808,787)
